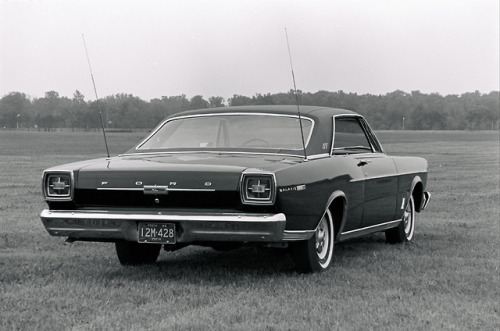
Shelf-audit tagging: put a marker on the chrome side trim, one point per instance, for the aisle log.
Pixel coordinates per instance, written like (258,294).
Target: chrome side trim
(369,229)
(294,235)
(378,177)
(412,173)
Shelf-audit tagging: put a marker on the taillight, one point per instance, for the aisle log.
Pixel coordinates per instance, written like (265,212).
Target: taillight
(58,185)
(258,189)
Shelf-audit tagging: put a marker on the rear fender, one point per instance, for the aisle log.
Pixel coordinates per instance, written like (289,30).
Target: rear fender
(337,204)
(417,190)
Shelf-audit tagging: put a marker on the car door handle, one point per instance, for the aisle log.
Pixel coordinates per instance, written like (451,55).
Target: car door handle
(363,163)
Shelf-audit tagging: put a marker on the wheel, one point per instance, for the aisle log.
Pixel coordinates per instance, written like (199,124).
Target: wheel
(132,253)
(404,231)
(316,253)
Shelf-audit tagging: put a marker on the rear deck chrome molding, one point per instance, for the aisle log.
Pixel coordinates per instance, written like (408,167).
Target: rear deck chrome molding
(167,189)
(369,229)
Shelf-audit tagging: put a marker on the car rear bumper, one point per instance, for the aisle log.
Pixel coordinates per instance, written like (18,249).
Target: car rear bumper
(113,225)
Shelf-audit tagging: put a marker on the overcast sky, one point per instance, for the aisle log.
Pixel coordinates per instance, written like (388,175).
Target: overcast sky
(220,48)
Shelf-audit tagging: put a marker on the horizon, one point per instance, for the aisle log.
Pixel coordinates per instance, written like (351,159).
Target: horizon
(188,97)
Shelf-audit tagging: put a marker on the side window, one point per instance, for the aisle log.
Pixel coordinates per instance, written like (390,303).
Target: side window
(373,139)
(350,136)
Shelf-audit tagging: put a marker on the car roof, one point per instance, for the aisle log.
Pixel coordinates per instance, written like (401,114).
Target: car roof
(311,111)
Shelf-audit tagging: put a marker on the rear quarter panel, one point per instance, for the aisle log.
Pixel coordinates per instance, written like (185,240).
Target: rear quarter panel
(304,190)
(412,171)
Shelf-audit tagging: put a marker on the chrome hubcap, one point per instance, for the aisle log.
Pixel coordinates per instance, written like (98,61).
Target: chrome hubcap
(408,219)
(322,239)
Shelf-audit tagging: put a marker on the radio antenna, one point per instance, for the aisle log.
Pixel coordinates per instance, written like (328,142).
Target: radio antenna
(96,97)
(296,97)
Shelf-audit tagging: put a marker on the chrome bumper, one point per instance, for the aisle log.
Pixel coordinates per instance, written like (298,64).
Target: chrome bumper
(110,226)
(426,199)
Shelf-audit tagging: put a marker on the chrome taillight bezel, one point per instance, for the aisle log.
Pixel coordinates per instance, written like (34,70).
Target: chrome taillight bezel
(66,189)
(260,179)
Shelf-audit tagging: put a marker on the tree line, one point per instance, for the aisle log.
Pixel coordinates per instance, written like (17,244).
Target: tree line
(393,111)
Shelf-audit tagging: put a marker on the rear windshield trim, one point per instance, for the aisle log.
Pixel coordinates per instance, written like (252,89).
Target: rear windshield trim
(302,117)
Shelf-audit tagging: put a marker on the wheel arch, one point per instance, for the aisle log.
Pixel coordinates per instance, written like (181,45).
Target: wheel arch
(337,205)
(417,191)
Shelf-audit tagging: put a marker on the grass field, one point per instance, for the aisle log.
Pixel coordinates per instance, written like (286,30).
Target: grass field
(447,278)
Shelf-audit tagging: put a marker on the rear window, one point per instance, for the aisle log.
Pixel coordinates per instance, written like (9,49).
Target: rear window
(231,131)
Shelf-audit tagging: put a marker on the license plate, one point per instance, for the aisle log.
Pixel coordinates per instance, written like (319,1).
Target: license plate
(157,233)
